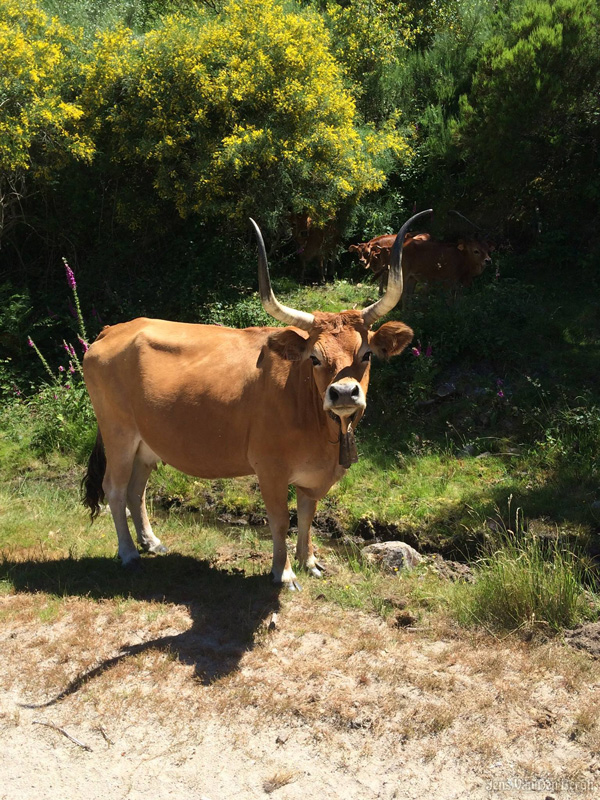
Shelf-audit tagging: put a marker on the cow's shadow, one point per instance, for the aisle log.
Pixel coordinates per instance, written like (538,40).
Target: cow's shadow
(227,607)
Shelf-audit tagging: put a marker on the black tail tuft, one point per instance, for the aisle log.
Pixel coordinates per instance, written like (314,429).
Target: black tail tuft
(92,493)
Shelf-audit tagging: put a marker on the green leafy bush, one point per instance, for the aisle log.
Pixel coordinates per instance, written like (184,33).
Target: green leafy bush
(532,115)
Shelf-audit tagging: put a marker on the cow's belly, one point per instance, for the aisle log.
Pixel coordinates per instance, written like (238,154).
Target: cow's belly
(204,443)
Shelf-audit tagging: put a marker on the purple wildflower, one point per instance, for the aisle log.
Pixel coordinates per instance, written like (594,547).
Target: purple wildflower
(83,344)
(70,276)
(428,351)
(500,393)
(67,385)
(30,341)
(415,351)
(61,368)
(71,368)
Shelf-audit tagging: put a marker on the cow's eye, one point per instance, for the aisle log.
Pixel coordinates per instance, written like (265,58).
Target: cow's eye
(367,356)
(315,361)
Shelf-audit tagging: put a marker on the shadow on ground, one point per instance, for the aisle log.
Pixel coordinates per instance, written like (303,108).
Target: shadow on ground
(227,607)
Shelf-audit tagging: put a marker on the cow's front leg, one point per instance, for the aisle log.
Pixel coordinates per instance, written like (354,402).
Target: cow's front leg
(305,554)
(275,496)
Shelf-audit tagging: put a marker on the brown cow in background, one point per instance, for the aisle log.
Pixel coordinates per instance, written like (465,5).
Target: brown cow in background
(376,253)
(429,261)
(315,242)
(426,260)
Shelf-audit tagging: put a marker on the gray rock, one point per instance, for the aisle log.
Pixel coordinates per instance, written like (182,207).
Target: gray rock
(392,556)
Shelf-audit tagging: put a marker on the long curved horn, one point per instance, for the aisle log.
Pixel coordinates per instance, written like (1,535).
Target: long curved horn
(300,319)
(394,291)
(466,219)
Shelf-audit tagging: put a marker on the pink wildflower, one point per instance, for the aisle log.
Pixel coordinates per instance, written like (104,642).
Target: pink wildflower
(83,344)
(30,341)
(70,275)
(428,351)
(61,368)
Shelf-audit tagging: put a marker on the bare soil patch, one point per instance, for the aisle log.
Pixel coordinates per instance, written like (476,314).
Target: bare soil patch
(252,694)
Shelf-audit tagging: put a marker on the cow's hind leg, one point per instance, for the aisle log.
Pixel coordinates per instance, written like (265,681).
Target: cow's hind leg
(274,494)
(305,554)
(144,462)
(120,448)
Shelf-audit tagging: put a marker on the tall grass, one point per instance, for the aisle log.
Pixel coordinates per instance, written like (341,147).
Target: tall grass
(524,581)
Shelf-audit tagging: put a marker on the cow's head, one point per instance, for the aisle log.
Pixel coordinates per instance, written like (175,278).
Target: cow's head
(379,258)
(339,346)
(476,254)
(364,250)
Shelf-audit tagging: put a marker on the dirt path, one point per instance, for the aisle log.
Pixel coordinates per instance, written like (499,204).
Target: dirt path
(324,703)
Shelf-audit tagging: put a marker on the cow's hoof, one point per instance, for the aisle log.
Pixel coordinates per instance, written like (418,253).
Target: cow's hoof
(316,571)
(288,582)
(158,549)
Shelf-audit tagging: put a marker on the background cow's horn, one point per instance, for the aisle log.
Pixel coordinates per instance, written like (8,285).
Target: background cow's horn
(466,219)
(394,288)
(300,319)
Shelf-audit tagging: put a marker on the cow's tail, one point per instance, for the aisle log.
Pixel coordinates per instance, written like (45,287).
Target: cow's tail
(92,493)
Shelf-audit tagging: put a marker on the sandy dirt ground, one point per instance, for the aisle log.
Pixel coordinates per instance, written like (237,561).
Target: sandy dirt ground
(323,703)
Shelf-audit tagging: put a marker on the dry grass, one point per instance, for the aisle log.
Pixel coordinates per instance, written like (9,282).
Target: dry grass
(278,780)
(181,651)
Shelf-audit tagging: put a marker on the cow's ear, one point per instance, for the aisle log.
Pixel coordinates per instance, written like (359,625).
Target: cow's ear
(461,244)
(353,248)
(289,344)
(391,339)
(376,248)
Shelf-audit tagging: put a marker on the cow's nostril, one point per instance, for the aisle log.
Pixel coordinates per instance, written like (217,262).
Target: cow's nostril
(333,394)
(355,391)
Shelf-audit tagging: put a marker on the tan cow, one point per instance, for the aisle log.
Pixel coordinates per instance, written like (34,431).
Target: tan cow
(215,402)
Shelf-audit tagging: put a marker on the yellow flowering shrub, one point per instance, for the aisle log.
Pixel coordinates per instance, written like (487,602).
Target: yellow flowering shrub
(36,109)
(244,112)
(370,32)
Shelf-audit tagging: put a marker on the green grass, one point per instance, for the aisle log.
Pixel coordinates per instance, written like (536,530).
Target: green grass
(524,582)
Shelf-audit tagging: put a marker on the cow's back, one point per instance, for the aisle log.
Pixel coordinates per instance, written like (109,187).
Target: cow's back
(184,388)
(424,259)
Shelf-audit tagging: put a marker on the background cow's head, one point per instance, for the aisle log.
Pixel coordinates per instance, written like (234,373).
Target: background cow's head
(476,253)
